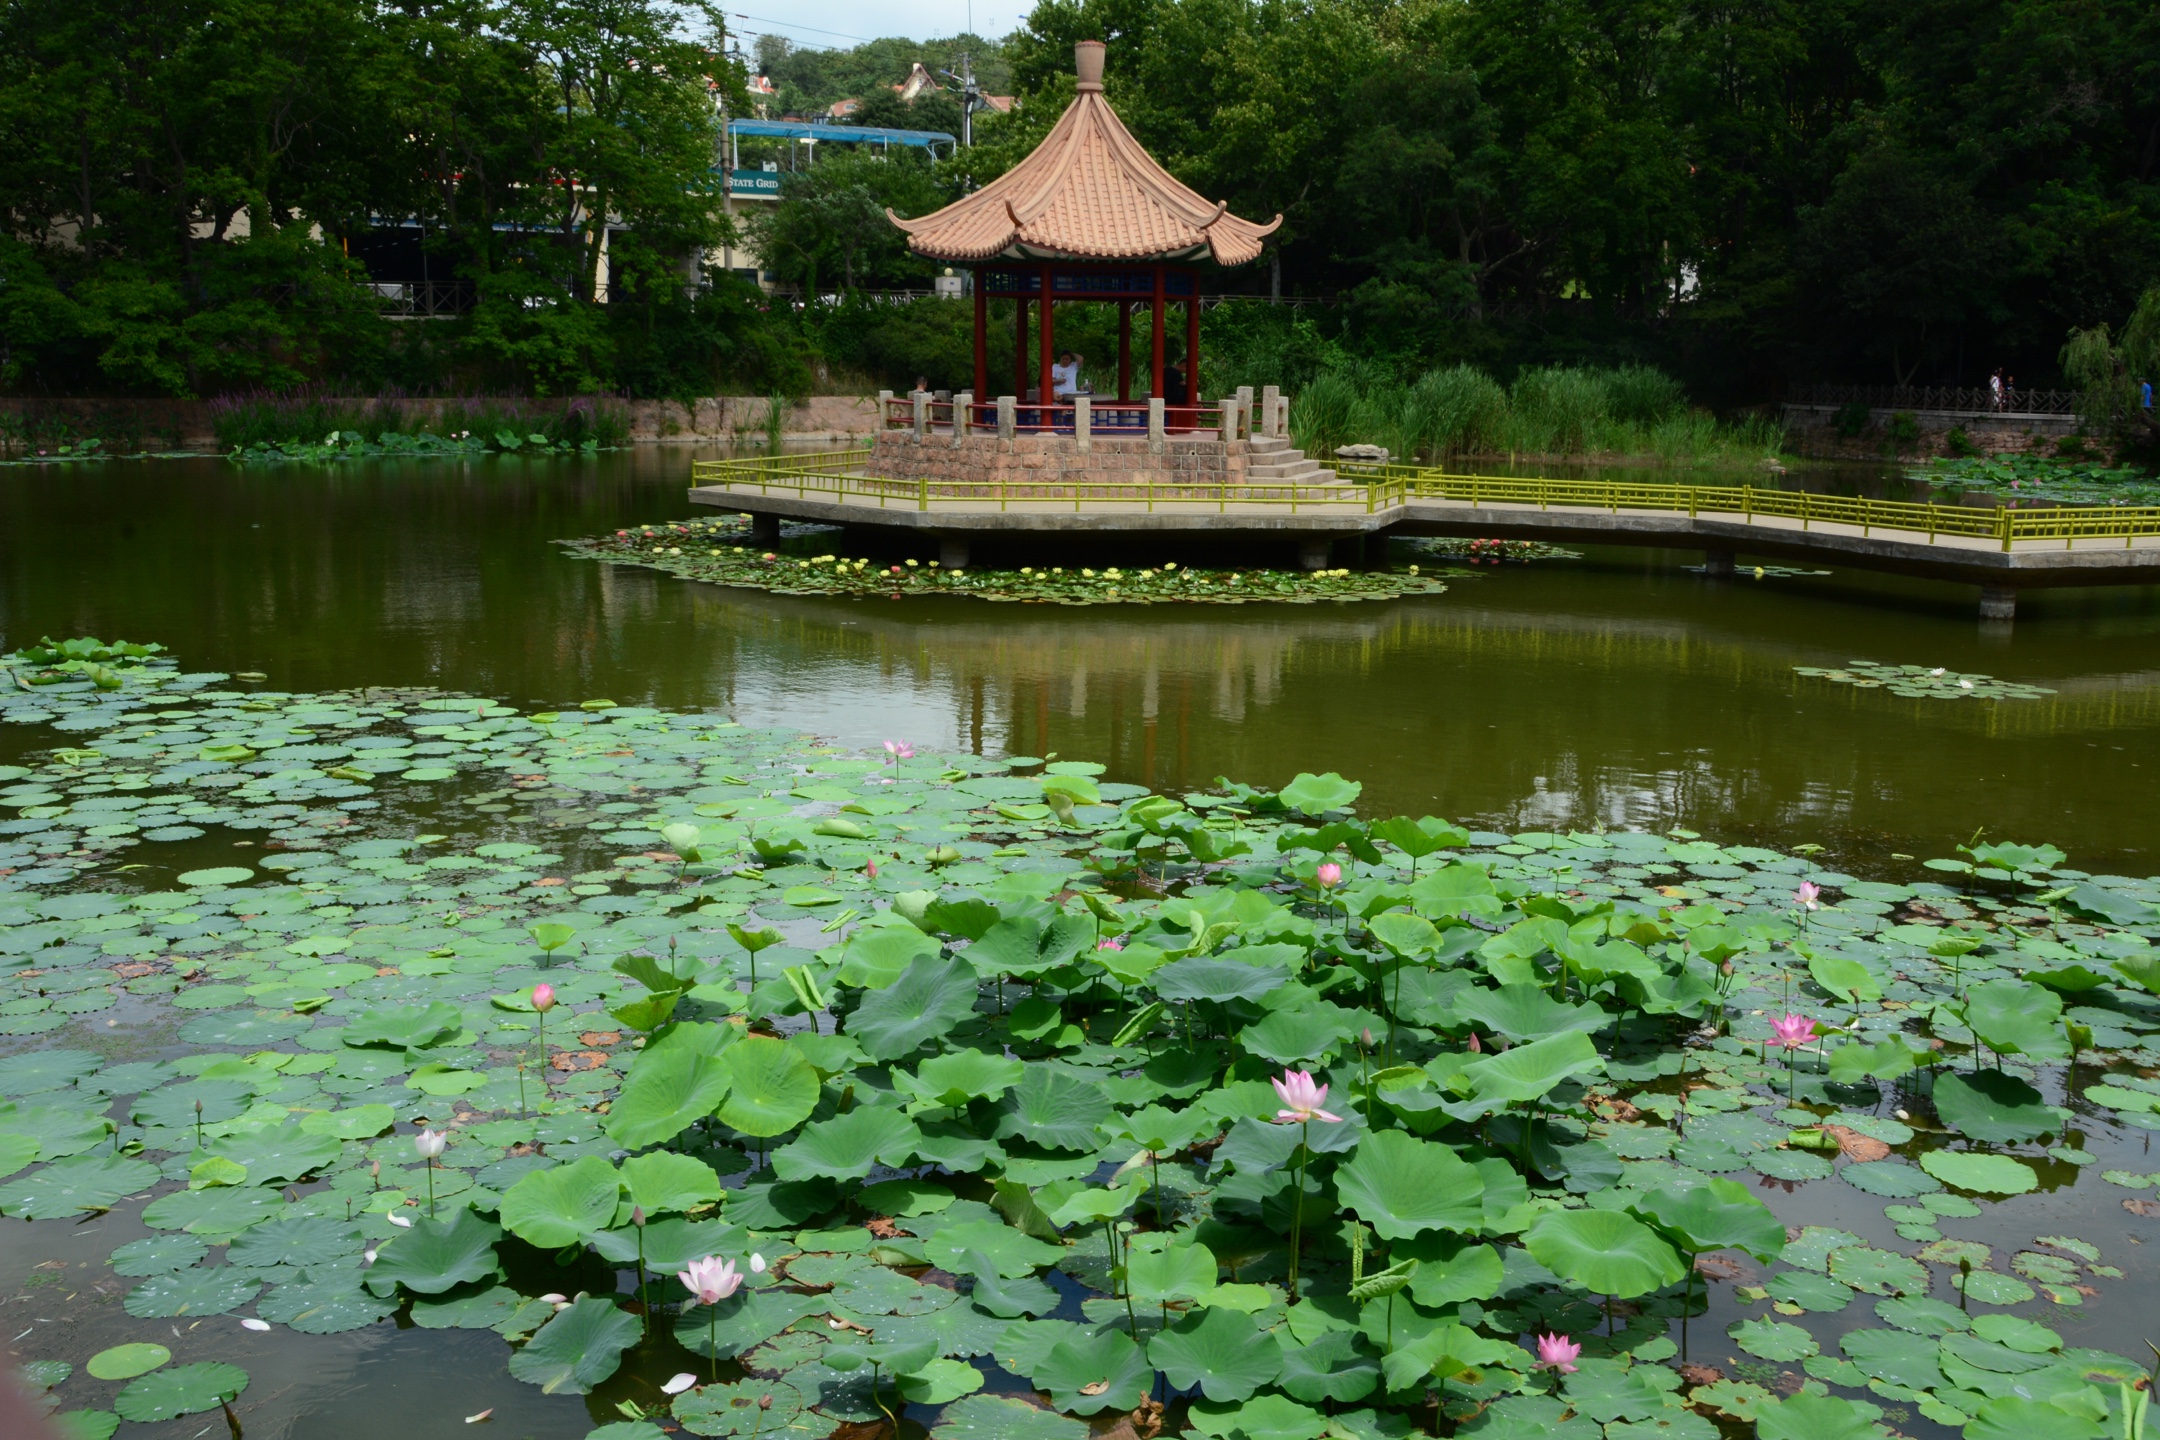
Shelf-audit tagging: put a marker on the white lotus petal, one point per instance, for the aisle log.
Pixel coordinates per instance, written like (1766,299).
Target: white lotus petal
(476,1419)
(679,1383)
(553,1298)
(401,1222)
(251,1323)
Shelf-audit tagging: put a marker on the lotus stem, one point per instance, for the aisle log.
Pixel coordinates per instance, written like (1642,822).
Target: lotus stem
(1297,1209)
(430,1187)
(712,1340)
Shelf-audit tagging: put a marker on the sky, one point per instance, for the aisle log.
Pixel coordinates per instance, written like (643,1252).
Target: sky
(841,23)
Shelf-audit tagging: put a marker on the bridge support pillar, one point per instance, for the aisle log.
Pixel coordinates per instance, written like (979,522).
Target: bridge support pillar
(764,528)
(1718,564)
(1313,552)
(952,552)
(1998,602)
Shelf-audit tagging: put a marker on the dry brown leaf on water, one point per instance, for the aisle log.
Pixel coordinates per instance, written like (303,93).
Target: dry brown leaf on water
(883,1226)
(572,1061)
(1855,1145)
(1095,1387)
(1701,1374)
(600,1038)
(2150,1209)
(1720,1267)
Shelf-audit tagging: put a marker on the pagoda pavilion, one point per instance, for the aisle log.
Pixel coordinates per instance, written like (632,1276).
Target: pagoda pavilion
(1088,216)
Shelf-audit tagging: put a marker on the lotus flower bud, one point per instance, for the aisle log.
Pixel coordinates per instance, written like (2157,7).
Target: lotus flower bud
(637,1216)
(764,1402)
(1475,1048)
(543,997)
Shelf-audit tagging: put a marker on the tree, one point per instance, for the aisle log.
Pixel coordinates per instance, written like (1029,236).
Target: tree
(2113,371)
(830,221)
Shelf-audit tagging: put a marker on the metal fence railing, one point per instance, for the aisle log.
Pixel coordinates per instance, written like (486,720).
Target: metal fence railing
(1382,489)
(1108,418)
(1970,399)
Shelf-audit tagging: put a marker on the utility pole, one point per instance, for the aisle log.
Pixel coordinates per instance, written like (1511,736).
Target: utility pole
(971,98)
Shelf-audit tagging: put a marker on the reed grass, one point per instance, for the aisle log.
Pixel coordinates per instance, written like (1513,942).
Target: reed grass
(1553,412)
(307,416)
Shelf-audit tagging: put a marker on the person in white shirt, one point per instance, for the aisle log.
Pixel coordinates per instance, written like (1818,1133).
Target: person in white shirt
(1065,378)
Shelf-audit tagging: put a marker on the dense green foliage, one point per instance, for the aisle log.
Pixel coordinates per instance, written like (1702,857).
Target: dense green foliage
(1840,189)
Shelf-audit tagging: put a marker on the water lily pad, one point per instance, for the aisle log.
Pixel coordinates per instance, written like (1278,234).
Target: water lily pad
(1986,1174)
(69,1187)
(1878,1272)
(1221,1351)
(1994,1105)
(192,1292)
(1604,1251)
(182,1390)
(125,1362)
(736,1409)
(1003,1417)
(1772,1339)
(434,1255)
(1891,1179)
(1403,1186)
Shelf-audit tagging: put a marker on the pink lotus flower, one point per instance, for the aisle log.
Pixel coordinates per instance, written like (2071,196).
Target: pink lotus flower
(1556,1352)
(543,997)
(1302,1099)
(1328,875)
(1113,943)
(1793,1031)
(899,749)
(1809,895)
(710,1280)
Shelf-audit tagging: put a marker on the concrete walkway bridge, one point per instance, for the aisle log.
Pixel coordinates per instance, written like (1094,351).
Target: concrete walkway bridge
(1333,516)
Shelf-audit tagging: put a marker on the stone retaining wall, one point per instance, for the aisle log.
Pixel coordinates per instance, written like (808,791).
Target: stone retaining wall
(1812,431)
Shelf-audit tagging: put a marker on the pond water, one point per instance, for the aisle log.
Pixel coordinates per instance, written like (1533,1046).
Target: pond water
(1617,691)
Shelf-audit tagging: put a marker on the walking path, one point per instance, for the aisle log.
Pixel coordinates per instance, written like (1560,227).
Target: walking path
(2002,550)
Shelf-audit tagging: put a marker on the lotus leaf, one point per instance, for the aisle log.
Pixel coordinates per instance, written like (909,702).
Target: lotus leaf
(1333,1367)
(1217,978)
(1987,1174)
(848,1146)
(1403,1186)
(406,1026)
(328,1307)
(1716,1215)
(1318,794)
(435,1255)
(677,1080)
(1092,1373)
(1442,1353)
(959,1076)
(1994,1105)
(1002,1417)
(69,1187)
(771,1087)
(299,1242)
(1053,1108)
(1527,1012)
(660,1181)
(2017,1017)
(1158,1271)
(735,1409)
(125,1362)
(1603,1251)
(1221,1351)
(276,1153)
(553,1208)
(1527,1072)
(578,1349)
(1772,1339)
(182,1390)
(1013,1253)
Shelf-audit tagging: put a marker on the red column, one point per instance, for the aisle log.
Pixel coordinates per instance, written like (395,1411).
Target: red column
(1046,340)
(1124,350)
(982,340)
(1020,348)
(1156,336)
(1192,346)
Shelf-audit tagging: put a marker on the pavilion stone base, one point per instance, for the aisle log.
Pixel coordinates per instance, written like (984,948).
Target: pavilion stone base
(983,458)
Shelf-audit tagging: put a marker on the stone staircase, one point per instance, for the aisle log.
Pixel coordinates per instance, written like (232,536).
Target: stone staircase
(1276,461)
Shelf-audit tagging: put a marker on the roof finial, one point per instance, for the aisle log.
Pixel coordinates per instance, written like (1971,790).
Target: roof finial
(1088,63)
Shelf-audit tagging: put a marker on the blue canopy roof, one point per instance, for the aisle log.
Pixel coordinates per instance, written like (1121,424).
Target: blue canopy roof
(841,134)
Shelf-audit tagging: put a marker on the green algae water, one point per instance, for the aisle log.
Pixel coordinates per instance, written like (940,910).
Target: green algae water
(259,934)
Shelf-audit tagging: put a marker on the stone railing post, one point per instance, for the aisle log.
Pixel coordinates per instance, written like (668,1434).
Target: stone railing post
(921,401)
(1155,427)
(884,409)
(1229,418)
(1008,417)
(1245,409)
(1083,424)
(1270,396)
(963,416)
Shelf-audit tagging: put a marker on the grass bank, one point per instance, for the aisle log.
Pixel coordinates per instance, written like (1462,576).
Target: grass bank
(1562,413)
(273,424)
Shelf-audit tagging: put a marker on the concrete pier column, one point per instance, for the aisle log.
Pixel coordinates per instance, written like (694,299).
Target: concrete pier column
(1269,421)
(1313,552)
(1083,424)
(1718,564)
(952,552)
(1155,425)
(764,528)
(963,416)
(1008,409)
(1998,602)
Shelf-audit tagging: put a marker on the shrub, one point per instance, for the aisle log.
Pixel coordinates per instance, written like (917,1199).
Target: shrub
(1903,429)
(1958,443)
(1851,420)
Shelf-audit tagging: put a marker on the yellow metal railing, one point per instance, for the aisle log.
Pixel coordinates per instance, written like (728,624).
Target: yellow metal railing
(1932,519)
(829,477)
(1377,489)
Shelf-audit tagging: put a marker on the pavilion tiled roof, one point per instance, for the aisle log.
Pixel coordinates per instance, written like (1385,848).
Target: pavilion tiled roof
(1088,192)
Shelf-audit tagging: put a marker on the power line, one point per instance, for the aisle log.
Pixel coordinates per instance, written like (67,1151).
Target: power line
(791,25)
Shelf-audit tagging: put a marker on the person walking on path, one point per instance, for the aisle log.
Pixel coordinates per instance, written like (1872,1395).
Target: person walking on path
(2145,394)
(1995,387)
